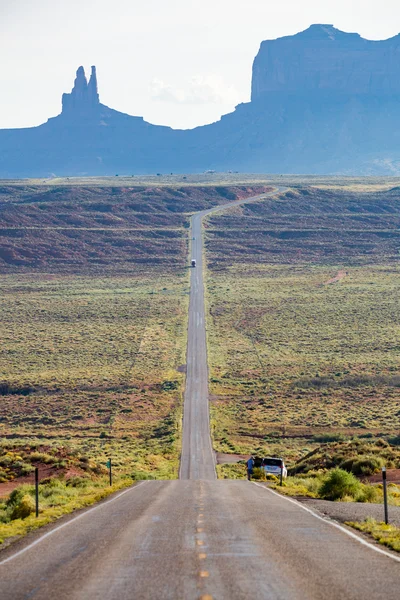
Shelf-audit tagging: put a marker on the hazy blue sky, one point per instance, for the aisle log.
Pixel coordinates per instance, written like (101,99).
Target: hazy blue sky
(176,62)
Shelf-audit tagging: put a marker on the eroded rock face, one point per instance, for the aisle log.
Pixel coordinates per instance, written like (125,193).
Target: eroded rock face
(323,58)
(84,97)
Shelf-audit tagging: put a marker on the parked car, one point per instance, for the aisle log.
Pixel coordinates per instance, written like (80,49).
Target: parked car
(273,466)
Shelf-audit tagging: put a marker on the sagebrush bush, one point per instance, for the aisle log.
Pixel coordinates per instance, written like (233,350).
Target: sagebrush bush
(23,508)
(338,484)
(369,493)
(16,495)
(259,474)
(366,465)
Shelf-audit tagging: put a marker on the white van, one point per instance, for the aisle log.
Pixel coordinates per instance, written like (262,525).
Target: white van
(274,466)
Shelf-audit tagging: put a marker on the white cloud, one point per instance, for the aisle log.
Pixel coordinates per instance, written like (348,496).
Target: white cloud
(200,89)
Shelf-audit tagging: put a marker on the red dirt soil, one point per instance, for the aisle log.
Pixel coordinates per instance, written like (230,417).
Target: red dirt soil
(392,476)
(45,472)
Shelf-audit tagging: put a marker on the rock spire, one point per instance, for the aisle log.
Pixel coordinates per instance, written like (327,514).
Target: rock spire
(84,97)
(92,88)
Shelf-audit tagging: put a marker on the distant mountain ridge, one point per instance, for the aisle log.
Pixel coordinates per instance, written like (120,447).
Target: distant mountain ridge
(323,101)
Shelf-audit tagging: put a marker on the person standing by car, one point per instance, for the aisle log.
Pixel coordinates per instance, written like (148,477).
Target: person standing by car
(250,467)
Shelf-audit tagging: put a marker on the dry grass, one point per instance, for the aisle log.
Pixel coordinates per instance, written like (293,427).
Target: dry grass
(85,357)
(291,357)
(388,535)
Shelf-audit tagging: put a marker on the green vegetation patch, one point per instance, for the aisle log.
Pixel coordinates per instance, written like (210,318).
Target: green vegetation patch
(338,485)
(57,497)
(388,535)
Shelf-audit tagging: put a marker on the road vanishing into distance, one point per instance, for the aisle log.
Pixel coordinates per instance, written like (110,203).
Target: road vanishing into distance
(198,457)
(197,538)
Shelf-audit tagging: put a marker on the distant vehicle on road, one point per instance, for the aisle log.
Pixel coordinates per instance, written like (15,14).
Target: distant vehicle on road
(193,262)
(273,466)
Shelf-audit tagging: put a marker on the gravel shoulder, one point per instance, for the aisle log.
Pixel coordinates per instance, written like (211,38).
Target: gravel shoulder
(351,511)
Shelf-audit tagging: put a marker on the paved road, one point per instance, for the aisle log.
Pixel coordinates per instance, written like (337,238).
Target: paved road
(196,538)
(198,458)
(226,540)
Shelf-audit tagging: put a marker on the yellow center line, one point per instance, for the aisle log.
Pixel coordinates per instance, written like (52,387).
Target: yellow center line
(202,555)
(204,573)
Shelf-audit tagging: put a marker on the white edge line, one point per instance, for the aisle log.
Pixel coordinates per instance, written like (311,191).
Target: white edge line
(332,523)
(83,514)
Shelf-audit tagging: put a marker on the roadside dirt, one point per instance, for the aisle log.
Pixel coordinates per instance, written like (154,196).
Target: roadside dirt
(230,458)
(392,476)
(45,471)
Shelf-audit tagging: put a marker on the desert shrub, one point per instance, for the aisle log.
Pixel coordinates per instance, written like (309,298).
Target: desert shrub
(232,470)
(325,438)
(16,495)
(338,484)
(141,476)
(24,468)
(352,381)
(366,465)
(19,505)
(382,443)
(8,389)
(369,493)
(42,457)
(259,474)
(394,441)
(300,486)
(53,482)
(23,508)
(78,482)
(167,386)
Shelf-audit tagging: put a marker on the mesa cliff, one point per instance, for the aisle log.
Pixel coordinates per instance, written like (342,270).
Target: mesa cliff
(323,102)
(323,58)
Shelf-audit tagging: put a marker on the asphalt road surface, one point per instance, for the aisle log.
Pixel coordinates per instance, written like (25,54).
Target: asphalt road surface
(198,458)
(206,540)
(197,538)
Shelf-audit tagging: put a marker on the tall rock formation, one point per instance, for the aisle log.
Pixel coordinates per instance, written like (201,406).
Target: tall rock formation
(323,101)
(84,98)
(323,58)
(93,93)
